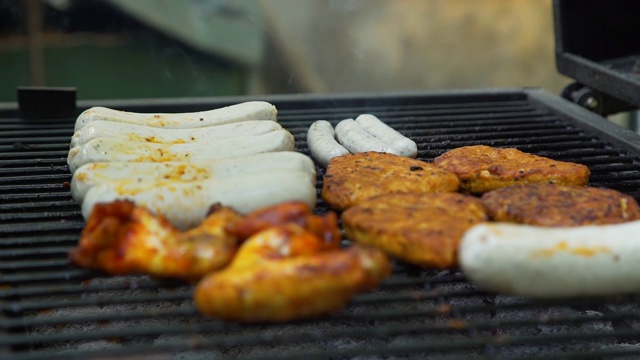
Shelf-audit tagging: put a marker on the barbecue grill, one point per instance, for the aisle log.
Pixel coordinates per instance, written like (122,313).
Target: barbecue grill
(51,310)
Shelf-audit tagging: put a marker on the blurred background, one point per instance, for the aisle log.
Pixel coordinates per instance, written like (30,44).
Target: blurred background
(123,49)
(167,48)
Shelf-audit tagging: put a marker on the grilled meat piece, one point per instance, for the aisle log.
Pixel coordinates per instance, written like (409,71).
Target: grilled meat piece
(557,205)
(353,178)
(482,168)
(296,212)
(421,229)
(287,272)
(122,238)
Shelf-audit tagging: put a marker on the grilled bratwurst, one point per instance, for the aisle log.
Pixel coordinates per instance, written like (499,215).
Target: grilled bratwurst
(552,262)
(251,110)
(382,131)
(119,130)
(322,142)
(92,174)
(109,149)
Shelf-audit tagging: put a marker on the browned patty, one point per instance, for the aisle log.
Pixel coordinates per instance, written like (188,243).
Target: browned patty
(483,168)
(421,229)
(557,205)
(353,178)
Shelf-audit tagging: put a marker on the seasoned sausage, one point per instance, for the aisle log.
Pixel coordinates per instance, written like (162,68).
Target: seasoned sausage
(251,110)
(92,174)
(185,203)
(545,262)
(106,150)
(356,139)
(388,135)
(322,143)
(120,130)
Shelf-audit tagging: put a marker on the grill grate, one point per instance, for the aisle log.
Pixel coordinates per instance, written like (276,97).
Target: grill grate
(50,310)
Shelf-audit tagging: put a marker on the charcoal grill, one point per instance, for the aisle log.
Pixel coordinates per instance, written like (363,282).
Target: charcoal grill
(51,310)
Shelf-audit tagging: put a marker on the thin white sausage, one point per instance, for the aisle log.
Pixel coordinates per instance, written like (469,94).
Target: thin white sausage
(322,142)
(92,174)
(120,130)
(356,139)
(544,262)
(251,110)
(185,204)
(106,150)
(387,134)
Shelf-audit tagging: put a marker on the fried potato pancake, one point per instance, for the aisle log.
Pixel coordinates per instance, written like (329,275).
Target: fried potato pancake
(558,205)
(353,178)
(420,229)
(482,168)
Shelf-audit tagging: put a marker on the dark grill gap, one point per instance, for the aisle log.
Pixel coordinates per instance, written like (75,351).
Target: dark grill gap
(51,310)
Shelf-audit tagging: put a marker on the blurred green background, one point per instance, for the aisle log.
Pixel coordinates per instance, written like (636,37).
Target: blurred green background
(170,48)
(124,71)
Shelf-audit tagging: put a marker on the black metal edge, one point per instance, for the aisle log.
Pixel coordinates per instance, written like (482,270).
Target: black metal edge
(8,109)
(598,77)
(557,27)
(207,103)
(40,103)
(589,72)
(606,130)
(283,99)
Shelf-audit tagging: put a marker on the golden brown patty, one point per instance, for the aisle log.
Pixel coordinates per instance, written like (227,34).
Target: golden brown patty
(556,205)
(421,229)
(353,178)
(483,168)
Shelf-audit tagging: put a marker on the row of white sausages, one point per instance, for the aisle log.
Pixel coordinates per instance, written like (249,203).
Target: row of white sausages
(365,133)
(180,164)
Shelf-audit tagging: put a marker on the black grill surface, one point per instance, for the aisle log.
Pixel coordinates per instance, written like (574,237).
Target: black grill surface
(51,310)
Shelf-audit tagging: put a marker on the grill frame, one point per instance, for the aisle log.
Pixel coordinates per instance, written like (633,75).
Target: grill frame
(439,289)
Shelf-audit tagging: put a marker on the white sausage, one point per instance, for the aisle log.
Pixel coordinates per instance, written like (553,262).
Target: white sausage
(101,150)
(322,143)
(89,175)
(545,262)
(356,139)
(120,130)
(388,135)
(251,110)
(185,204)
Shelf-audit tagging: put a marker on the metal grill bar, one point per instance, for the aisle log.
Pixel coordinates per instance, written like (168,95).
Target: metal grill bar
(51,310)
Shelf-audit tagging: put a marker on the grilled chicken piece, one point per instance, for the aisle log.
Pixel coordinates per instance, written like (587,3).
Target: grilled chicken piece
(288,272)
(297,212)
(482,168)
(122,238)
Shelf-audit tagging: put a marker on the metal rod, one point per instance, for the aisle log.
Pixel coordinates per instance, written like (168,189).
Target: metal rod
(34,41)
